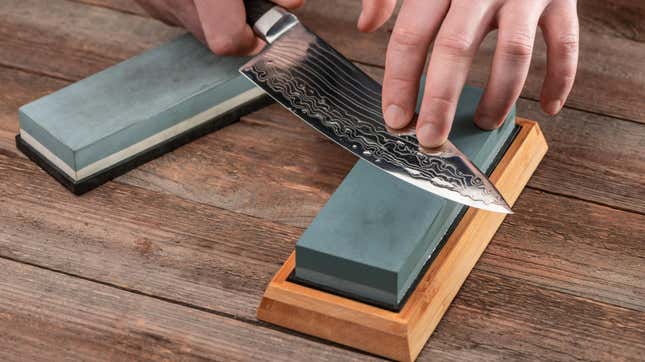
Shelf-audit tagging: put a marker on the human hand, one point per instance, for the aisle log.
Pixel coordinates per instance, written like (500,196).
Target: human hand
(457,28)
(221,24)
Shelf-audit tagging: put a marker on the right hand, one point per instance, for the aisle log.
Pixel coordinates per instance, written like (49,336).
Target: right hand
(221,24)
(455,29)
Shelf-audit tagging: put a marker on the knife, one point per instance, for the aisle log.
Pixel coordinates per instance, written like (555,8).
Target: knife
(328,92)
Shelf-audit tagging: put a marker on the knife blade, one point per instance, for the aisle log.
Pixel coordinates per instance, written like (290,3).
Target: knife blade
(328,92)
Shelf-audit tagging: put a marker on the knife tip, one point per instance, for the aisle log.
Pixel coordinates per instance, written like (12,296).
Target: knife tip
(501,207)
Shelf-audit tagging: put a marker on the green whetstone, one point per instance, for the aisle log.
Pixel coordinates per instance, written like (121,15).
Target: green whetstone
(106,124)
(376,233)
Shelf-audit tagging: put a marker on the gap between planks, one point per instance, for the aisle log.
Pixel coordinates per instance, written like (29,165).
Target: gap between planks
(596,202)
(261,324)
(481,274)
(563,291)
(623,199)
(358,62)
(127,7)
(253,322)
(123,320)
(621,24)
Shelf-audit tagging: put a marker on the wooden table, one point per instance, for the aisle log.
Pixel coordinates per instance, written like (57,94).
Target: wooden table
(170,260)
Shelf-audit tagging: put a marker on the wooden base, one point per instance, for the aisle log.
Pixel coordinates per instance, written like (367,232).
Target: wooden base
(401,335)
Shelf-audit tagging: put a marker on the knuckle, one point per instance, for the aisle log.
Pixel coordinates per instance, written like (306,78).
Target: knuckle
(518,45)
(441,99)
(437,108)
(408,38)
(454,43)
(223,45)
(564,76)
(399,79)
(567,45)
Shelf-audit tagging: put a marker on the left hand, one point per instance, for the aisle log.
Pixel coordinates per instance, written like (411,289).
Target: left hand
(457,28)
(220,24)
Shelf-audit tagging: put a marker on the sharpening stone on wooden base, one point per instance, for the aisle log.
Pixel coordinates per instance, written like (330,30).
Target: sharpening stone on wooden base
(380,264)
(375,234)
(103,126)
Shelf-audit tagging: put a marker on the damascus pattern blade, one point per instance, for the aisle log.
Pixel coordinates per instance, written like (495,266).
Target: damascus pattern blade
(328,92)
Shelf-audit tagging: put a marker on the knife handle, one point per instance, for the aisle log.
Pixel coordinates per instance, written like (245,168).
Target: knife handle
(255,9)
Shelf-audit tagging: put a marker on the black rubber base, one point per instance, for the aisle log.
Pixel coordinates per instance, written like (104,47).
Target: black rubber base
(397,307)
(82,186)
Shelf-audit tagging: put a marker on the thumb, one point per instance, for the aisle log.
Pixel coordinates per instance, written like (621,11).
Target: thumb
(375,13)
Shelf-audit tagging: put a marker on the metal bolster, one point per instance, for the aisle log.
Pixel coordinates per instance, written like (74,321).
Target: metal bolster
(274,23)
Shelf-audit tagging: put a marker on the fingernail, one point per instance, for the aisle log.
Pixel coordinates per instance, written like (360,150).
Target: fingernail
(553,107)
(428,136)
(485,122)
(395,117)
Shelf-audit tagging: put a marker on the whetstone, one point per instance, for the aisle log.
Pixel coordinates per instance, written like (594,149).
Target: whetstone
(375,234)
(102,126)
(400,333)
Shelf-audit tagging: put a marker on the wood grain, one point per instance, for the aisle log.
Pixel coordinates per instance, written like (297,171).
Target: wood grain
(581,145)
(561,280)
(137,239)
(288,189)
(495,317)
(618,18)
(570,169)
(70,40)
(210,258)
(46,316)
(126,6)
(606,83)
(610,32)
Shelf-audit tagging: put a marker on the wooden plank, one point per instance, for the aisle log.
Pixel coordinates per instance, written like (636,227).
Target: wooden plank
(20,88)
(484,313)
(70,40)
(47,316)
(550,239)
(126,6)
(581,143)
(134,238)
(283,190)
(495,317)
(618,18)
(610,80)
(125,235)
(577,152)
(591,157)
(209,258)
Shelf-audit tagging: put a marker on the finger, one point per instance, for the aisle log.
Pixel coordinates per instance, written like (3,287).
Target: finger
(375,13)
(517,23)
(455,46)
(289,4)
(560,28)
(225,27)
(406,56)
